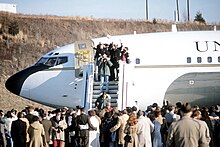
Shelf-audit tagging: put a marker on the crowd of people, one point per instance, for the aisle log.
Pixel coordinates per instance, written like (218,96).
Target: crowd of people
(179,125)
(107,57)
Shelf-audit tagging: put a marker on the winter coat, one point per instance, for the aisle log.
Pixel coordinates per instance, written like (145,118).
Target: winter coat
(122,121)
(104,67)
(188,132)
(146,128)
(132,131)
(36,134)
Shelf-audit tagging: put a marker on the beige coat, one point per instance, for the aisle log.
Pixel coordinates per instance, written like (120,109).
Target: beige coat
(36,134)
(122,121)
(188,132)
(146,128)
(132,131)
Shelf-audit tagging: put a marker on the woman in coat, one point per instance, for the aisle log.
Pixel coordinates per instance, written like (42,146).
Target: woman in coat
(131,129)
(36,133)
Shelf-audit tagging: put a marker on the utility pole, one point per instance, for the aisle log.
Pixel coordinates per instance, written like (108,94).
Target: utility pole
(147,10)
(188,9)
(177,11)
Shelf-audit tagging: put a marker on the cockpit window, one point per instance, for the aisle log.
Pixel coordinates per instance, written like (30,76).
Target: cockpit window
(61,60)
(42,60)
(52,61)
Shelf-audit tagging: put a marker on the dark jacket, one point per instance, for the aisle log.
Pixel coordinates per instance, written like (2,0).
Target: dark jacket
(83,119)
(18,133)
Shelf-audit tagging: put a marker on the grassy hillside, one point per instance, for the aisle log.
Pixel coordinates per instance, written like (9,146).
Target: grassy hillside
(25,38)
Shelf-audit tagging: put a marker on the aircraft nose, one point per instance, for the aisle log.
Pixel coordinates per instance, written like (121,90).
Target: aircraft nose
(14,84)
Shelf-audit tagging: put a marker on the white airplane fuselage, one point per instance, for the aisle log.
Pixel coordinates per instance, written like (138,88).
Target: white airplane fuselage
(176,66)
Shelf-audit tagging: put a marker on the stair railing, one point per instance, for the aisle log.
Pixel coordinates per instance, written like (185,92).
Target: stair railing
(88,79)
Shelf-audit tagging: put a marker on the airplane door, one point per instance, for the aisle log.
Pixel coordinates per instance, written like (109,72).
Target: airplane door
(84,54)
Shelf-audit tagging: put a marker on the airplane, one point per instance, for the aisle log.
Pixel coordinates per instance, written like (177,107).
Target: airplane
(164,67)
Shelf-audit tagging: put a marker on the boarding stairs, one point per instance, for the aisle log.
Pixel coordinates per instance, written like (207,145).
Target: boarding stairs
(118,90)
(113,92)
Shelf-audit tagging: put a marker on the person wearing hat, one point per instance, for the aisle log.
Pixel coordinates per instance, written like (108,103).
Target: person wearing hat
(188,132)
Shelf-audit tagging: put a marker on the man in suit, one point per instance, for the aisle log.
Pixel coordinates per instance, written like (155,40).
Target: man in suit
(18,131)
(84,125)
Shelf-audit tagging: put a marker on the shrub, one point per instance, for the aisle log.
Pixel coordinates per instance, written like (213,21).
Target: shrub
(154,21)
(13,28)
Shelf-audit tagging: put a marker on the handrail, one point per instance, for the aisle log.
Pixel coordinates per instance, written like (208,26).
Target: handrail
(88,79)
(121,87)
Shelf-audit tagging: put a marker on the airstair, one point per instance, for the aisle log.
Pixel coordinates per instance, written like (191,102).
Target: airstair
(118,90)
(113,92)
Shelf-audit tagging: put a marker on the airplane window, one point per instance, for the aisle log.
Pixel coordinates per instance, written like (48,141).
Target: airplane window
(61,60)
(218,59)
(51,61)
(209,59)
(199,60)
(42,60)
(137,60)
(188,60)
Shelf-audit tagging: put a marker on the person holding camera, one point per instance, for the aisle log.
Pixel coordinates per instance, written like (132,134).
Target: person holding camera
(58,126)
(104,65)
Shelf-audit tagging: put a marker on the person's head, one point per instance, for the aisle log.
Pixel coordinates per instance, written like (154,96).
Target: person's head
(186,109)
(171,108)
(157,113)
(196,114)
(35,118)
(14,111)
(30,109)
(83,110)
(124,111)
(178,105)
(134,109)
(20,115)
(104,94)
(92,113)
(151,116)
(205,115)
(132,120)
(139,113)
(196,107)
(125,49)
(108,115)
(58,113)
(44,115)
(9,115)
(115,115)
(104,56)
(212,109)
